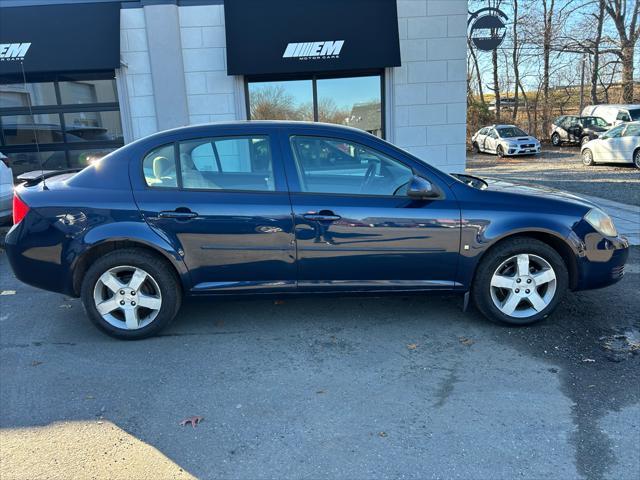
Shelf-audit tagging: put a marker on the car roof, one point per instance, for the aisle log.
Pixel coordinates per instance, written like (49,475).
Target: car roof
(616,105)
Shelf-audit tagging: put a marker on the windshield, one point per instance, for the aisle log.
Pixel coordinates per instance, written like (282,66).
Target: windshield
(635,114)
(510,132)
(594,122)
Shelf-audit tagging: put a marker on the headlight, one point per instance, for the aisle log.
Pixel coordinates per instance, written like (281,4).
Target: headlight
(601,222)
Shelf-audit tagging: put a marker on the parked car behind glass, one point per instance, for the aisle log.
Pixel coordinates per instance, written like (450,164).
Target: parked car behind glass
(572,129)
(621,144)
(504,140)
(285,208)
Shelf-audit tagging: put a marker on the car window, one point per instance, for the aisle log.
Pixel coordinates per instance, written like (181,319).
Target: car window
(493,133)
(227,163)
(159,167)
(511,132)
(633,130)
(328,165)
(623,116)
(635,114)
(615,132)
(484,131)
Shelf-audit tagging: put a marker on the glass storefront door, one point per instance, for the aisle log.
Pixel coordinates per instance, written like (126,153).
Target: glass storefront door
(67,122)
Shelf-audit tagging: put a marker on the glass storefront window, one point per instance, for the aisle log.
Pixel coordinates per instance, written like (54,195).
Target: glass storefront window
(352,101)
(74,120)
(93,126)
(17,95)
(289,100)
(88,91)
(30,129)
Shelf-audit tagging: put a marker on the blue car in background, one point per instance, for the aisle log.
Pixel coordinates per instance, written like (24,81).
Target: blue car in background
(277,208)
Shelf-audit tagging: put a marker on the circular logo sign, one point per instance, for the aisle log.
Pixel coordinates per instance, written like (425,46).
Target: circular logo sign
(487,28)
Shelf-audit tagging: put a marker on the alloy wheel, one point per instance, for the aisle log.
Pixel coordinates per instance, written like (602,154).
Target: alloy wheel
(636,158)
(555,139)
(587,157)
(523,285)
(127,297)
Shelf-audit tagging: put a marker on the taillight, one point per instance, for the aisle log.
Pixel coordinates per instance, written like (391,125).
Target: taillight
(20,209)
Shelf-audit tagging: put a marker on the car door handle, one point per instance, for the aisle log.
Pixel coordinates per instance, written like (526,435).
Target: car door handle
(178,214)
(322,216)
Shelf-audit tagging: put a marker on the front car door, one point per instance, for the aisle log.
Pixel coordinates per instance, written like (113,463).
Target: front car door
(355,227)
(220,198)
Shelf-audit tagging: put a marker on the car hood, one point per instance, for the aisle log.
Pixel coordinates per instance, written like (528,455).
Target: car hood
(535,192)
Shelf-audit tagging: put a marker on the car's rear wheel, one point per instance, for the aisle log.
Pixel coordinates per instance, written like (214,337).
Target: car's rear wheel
(131,294)
(520,282)
(476,148)
(587,157)
(500,151)
(555,140)
(636,158)
(584,140)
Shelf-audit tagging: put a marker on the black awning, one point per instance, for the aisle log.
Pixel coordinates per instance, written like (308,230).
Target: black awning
(293,36)
(59,38)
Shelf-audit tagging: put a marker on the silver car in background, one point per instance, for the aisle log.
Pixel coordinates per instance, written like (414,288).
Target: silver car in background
(505,140)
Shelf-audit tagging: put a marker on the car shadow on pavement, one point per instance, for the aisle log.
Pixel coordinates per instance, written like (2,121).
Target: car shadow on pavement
(326,387)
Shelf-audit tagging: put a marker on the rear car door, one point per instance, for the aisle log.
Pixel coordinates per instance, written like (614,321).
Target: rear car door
(221,199)
(611,149)
(355,226)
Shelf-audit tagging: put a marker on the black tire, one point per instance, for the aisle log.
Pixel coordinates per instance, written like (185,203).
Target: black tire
(587,158)
(636,158)
(556,140)
(500,151)
(584,140)
(161,271)
(476,148)
(481,287)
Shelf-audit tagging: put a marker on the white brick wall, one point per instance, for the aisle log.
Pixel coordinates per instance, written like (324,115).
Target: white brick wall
(136,71)
(210,91)
(429,90)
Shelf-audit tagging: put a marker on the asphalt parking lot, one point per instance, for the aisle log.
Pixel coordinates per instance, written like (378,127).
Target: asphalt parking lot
(562,168)
(396,387)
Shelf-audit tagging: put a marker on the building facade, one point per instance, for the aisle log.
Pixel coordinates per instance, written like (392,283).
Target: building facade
(107,73)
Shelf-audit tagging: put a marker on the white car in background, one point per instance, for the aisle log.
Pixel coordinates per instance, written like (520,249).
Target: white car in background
(505,140)
(613,114)
(621,144)
(6,190)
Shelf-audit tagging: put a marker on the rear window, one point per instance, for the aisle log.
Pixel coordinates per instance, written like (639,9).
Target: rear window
(635,114)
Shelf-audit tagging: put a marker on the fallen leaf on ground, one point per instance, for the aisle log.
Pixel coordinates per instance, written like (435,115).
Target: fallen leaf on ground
(89,397)
(412,346)
(382,434)
(35,363)
(65,305)
(588,360)
(195,420)
(321,391)
(8,292)
(466,341)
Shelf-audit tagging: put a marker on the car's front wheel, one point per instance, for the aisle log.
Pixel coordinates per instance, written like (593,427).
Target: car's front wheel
(520,282)
(587,157)
(131,294)
(636,158)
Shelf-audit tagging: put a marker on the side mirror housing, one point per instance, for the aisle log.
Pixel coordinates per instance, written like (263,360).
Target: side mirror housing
(421,189)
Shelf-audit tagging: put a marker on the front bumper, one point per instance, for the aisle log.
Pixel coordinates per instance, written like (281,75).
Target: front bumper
(601,261)
(523,150)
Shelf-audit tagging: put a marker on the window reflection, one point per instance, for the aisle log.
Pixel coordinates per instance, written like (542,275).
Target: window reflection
(18,95)
(31,129)
(88,91)
(352,101)
(83,158)
(92,126)
(28,161)
(288,100)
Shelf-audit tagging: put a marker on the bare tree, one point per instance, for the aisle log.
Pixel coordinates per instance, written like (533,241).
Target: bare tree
(596,52)
(619,12)
(516,61)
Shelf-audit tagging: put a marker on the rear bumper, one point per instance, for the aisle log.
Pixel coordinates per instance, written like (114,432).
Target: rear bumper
(38,261)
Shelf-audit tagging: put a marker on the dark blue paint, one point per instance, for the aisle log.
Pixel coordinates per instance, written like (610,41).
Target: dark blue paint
(286,241)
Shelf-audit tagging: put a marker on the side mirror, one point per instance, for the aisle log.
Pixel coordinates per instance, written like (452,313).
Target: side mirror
(420,189)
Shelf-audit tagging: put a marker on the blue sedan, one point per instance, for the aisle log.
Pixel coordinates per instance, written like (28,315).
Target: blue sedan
(278,208)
